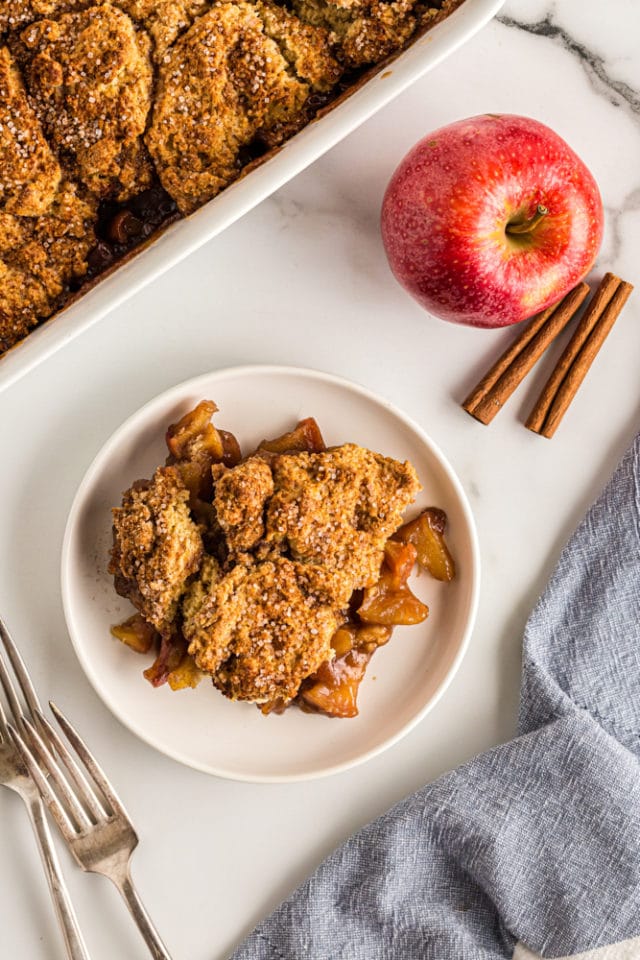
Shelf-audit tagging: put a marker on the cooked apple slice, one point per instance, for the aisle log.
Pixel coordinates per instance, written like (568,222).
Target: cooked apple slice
(195,426)
(173,650)
(390,602)
(305,437)
(136,633)
(334,690)
(185,675)
(426,532)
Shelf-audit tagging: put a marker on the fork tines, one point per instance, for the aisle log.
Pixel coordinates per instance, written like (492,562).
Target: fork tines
(38,744)
(98,775)
(20,671)
(80,798)
(71,797)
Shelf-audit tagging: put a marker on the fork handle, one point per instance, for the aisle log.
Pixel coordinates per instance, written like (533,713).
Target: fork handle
(151,937)
(76,949)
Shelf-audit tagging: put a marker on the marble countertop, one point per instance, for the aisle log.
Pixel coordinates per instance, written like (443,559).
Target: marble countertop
(303,280)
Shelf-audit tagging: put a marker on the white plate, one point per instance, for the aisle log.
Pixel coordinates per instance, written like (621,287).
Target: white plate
(200,727)
(187,235)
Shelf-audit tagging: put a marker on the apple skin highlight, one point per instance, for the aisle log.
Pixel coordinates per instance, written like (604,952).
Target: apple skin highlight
(448,208)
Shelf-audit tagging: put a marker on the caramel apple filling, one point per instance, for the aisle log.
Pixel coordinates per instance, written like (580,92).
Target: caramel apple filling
(278,574)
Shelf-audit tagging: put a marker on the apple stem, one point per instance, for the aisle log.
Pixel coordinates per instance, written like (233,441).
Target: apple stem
(528,226)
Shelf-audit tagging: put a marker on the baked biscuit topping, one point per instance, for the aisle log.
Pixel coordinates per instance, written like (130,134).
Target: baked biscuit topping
(339,508)
(307,48)
(277,575)
(156,546)
(164,20)
(39,258)
(29,174)
(263,629)
(223,81)
(143,110)
(15,13)
(240,497)
(364,31)
(89,78)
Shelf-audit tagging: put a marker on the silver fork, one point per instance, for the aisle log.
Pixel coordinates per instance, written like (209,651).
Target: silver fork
(92,820)
(14,774)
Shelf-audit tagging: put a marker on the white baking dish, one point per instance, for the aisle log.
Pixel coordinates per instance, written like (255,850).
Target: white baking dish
(184,236)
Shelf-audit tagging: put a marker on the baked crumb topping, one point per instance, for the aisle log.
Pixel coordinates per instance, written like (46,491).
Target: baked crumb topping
(15,13)
(39,257)
(249,567)
(141,108)
(223,81)
(164,20)
(240,497)
(364,31)
(30,173)
(263,628)
(156,546)
(339,508)
(89,78)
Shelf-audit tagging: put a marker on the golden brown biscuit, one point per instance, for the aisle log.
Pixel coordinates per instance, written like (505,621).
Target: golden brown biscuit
(307,49)
(89,79)
(29,172)
(156,546)
(364,31)
(223,81)
(239,500)
(39,257)
(338,509)
(235,80)
(164,20)
(15,13)
(263,629)
(199,590)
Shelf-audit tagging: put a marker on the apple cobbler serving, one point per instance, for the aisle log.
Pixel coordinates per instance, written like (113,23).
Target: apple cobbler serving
(276,574)
(117,118)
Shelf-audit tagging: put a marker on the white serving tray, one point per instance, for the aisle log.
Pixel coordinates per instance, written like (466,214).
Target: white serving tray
(184,236)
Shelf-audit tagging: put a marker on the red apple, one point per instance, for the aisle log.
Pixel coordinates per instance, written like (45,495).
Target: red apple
(490,220)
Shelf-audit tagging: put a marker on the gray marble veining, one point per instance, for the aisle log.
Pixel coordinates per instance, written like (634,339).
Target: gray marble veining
(596,65)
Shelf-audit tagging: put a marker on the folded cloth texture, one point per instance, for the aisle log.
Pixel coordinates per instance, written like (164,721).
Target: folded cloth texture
(532,849)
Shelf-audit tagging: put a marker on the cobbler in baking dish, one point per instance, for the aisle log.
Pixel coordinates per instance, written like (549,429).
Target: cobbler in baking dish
(118,117)
(277,574)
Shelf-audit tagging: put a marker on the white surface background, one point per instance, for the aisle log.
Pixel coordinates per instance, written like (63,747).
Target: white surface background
(303,280)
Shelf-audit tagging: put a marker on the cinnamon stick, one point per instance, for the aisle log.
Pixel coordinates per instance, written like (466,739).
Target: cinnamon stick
(572,367)
(601,298)
(495,388)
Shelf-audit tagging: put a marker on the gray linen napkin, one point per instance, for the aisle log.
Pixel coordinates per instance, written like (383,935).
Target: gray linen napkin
(533,847)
